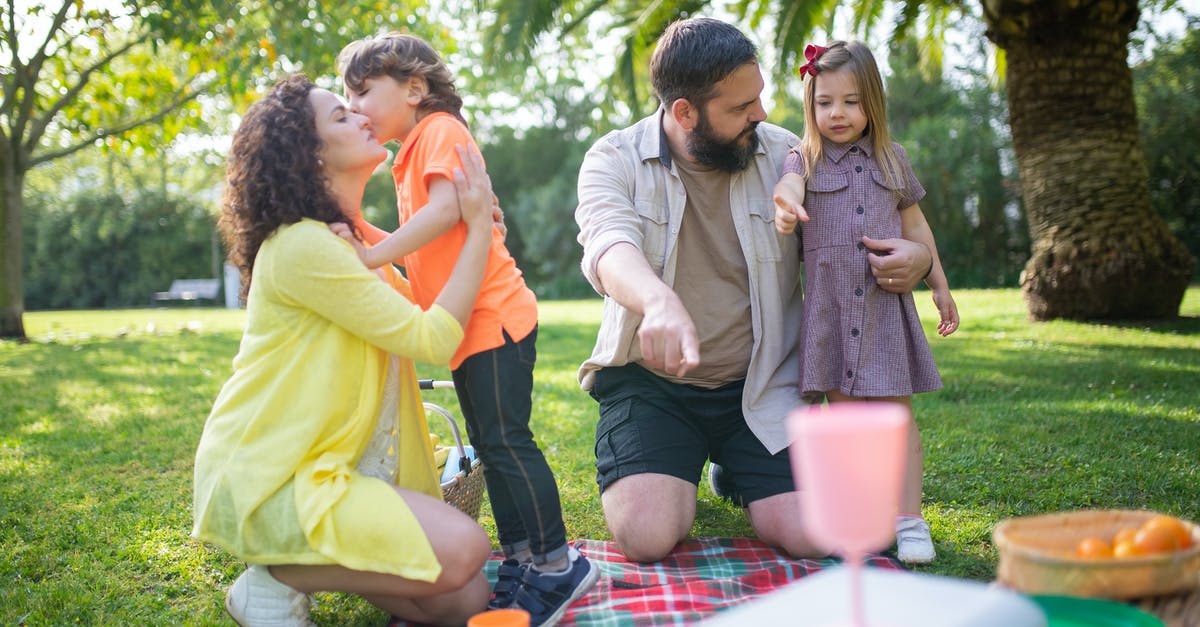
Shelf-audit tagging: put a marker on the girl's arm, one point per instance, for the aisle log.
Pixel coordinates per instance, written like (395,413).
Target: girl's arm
(915,229)
(789,203)
(438,216)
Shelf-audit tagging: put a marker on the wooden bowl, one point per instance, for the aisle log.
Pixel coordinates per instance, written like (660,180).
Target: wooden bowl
(1037,556)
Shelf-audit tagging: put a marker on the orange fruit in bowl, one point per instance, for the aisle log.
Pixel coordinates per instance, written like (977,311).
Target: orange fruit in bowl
(1094,548)
(1174,527)
(1125,548)
(1155,539)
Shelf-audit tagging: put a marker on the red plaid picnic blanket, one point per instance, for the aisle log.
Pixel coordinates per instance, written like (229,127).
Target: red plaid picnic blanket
(700,577)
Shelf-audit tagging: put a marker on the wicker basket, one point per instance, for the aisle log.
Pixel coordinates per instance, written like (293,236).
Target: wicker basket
(465,490)
(1037,556)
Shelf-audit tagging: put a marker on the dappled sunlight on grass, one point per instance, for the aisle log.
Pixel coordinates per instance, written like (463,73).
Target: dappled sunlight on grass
(132,322)
(17,464)
(45,425)
(965,532)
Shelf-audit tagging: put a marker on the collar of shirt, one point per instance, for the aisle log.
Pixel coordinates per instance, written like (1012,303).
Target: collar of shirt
(411,140)
(655,145)
(834,151)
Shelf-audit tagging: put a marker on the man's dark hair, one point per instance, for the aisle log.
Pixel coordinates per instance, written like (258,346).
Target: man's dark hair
(695,54)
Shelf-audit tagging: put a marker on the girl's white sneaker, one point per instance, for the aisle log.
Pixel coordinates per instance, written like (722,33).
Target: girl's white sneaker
(914,545)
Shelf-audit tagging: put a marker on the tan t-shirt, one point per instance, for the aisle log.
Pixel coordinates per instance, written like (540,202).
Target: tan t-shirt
(711,279)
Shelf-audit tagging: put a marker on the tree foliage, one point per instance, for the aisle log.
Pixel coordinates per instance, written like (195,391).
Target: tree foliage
(956,139)
(1167,88)
(130,74)
(534,173)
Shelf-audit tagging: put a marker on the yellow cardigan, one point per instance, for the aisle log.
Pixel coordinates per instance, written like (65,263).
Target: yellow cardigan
(275,478)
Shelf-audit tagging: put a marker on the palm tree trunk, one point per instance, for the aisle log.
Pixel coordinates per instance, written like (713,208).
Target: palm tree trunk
(1098,248)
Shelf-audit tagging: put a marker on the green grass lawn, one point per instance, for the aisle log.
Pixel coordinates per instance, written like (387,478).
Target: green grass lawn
(100,415)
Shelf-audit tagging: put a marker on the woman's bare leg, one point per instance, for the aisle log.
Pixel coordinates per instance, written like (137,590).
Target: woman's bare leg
(459,592)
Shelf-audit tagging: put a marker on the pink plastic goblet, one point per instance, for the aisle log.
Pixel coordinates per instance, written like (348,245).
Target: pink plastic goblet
(848,462)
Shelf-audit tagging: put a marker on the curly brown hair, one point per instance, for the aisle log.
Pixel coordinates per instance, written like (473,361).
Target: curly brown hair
(401,56)
(273,174)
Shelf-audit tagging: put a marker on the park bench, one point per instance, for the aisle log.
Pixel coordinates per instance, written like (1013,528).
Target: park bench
(190,289)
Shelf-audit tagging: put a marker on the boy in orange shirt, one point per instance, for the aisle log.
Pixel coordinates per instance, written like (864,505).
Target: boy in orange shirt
(403,86)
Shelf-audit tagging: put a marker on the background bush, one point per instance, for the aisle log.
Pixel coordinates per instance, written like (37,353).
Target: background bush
(104,249)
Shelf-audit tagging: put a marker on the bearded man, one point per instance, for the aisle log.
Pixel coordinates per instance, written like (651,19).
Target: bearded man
(696,358)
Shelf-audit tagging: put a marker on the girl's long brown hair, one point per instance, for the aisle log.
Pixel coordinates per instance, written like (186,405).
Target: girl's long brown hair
(273,173)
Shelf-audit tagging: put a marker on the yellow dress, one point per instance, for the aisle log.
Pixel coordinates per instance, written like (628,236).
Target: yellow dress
(275,474)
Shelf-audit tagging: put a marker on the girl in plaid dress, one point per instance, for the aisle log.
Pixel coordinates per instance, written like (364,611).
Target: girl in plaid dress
(850,185)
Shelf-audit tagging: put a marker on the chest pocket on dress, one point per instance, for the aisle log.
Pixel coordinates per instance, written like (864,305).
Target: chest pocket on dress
(884,224)
(655,227)
(827,226)
(881,180)
(826,182)
(762,230)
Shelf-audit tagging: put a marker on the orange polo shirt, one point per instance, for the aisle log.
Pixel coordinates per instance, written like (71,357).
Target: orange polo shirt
(505,303)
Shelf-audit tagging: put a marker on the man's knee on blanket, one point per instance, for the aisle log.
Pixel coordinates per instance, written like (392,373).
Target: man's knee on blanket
(648,514)
(647,539)
(642,547)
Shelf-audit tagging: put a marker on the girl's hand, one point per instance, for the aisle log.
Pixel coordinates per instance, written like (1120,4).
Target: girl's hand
(789,199)
(474,190)
(787,216)
(947,311)
(343,230)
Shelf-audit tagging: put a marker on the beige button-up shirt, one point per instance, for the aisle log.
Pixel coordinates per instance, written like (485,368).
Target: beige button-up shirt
(629,191)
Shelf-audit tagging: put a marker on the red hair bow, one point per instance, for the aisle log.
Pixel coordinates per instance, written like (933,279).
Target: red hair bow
(812,52)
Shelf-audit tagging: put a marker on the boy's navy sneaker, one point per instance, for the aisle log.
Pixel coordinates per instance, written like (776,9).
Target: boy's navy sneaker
(546,596)
(508,582)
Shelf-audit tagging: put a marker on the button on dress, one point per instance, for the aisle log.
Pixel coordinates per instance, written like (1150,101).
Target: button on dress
(855,337)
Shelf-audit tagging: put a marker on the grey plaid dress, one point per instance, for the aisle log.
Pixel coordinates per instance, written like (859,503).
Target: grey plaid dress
(855,337)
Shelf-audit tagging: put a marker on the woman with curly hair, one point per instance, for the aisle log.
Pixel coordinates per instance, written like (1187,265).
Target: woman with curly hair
(318,482)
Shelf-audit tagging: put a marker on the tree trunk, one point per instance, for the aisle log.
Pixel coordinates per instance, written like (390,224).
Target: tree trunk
(1099,250)
(12,290)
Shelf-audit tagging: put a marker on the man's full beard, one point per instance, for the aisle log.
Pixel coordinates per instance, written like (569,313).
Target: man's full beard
(725,155)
